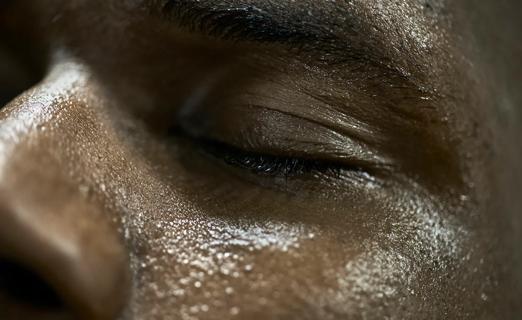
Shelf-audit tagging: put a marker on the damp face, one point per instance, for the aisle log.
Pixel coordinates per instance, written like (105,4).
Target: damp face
(258,159)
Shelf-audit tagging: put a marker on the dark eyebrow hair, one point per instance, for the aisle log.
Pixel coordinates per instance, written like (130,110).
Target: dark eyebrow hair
(246,21)
(324,33)
(333,35)
(284,24)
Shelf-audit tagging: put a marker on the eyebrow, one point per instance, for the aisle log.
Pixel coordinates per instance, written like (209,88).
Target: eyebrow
(302,26)
(333,33)
(247,21)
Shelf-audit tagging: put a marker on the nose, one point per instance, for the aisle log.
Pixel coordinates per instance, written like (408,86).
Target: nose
(61,256)
(53,264)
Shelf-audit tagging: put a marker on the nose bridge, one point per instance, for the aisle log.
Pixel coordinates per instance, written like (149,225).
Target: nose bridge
(24,121)
(48,222)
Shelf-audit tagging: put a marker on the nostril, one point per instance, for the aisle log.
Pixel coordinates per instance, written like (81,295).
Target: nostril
(24,287)
(25,295)
(68,256)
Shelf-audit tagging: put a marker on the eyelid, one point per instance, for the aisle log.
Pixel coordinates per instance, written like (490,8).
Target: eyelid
(266,164)
(266,131)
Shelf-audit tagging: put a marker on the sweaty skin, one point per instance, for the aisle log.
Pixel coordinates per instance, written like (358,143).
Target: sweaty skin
(259,159)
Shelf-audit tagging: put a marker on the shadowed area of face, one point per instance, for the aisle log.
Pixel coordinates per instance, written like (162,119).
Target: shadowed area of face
(261,159)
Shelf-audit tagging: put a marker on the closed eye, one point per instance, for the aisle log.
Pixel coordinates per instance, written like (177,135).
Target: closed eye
(266,164)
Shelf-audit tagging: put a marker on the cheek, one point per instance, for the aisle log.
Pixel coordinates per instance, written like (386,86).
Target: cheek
(199,244)
(197,247)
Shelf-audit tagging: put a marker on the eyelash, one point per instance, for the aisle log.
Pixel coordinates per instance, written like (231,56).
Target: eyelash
(268,165)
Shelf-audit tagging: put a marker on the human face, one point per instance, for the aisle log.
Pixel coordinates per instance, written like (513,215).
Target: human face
(260,159)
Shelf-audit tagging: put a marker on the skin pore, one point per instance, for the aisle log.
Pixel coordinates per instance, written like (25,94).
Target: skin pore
(260,159)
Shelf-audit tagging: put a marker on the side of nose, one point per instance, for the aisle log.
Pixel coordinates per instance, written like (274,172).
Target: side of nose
(59,247)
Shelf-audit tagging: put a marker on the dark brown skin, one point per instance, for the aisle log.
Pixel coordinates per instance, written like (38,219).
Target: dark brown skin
(175,162)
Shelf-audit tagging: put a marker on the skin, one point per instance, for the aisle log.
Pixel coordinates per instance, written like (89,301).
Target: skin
(108,200)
